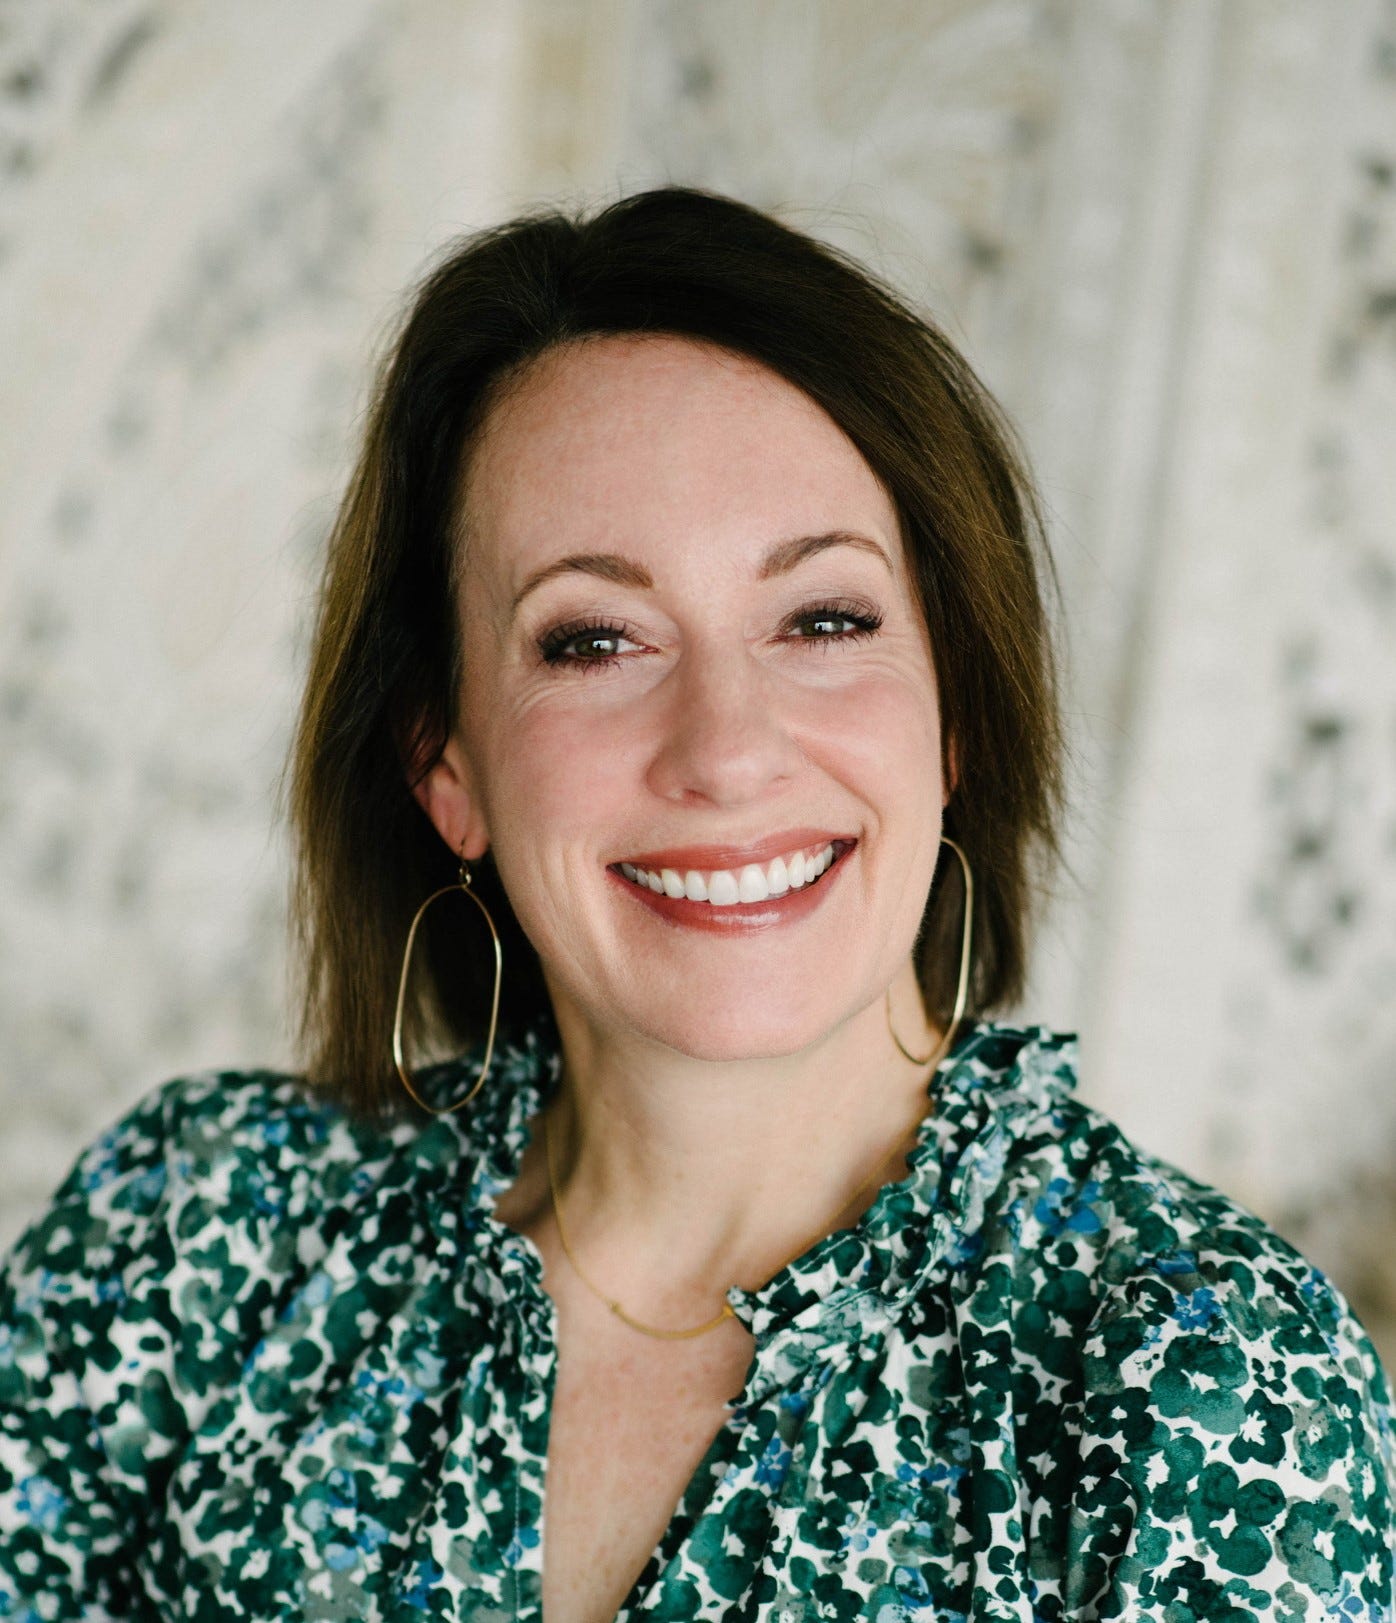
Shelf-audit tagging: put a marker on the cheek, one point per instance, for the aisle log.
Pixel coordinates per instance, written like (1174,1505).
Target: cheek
(569,770)
(884,728)
(555,770)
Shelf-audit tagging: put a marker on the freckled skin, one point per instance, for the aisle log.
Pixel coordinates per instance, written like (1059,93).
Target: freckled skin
(704,686)
(711,722)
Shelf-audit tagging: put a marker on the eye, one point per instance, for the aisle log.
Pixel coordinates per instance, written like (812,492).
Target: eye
(590,645)
(834,622)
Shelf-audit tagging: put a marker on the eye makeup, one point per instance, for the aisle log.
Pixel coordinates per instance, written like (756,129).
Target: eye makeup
(560,646)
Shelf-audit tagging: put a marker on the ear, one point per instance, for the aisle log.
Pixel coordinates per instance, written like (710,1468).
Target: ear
(952,772)
(446,793)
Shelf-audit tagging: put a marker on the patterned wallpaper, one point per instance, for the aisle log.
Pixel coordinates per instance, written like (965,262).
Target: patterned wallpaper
(178,419)
(57,63)
(1315,975)
(1165,237)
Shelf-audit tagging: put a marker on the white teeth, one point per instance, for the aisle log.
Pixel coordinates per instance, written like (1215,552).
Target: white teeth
(726,888)
(751,885)
(722,888)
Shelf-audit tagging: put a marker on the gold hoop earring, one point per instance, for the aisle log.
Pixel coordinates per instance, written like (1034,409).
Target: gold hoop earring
(462,883)
(962,991)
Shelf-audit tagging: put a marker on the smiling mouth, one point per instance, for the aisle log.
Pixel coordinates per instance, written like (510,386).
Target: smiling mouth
(738,887)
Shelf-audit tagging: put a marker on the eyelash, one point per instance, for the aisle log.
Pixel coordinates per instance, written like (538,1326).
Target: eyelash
(865,621)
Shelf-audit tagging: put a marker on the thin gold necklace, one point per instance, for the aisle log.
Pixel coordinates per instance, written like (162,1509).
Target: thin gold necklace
(727,1313)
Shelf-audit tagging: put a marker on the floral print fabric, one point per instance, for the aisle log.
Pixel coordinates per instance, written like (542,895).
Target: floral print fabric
(258,1361)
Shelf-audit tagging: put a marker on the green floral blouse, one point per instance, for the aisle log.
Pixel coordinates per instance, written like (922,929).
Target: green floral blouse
(258,1361)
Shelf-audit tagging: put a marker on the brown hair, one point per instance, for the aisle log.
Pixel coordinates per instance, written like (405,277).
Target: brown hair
(384,680)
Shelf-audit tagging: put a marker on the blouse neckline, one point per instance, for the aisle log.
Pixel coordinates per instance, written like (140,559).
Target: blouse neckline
(849,1285)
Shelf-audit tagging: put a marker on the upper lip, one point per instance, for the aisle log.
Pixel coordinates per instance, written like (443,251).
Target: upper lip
(708,857)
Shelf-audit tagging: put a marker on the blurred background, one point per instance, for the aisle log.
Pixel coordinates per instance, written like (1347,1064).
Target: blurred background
(1164,231)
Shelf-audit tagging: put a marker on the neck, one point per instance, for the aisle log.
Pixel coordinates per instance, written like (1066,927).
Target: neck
(680,1177)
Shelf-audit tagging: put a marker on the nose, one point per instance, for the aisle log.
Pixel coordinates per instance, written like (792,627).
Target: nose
(723,737)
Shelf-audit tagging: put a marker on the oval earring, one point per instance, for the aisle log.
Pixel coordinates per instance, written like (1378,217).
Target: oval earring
(962,991)
(462,883)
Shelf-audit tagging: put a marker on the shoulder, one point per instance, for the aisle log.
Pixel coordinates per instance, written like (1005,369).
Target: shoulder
(245,1146)
(196,1206)
(1157,1246)
(136,1297)
(1072,1191)
(132,1304)
(1232,1420)
(240,1168)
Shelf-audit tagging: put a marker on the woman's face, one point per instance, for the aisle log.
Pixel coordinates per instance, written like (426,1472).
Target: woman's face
(692,651)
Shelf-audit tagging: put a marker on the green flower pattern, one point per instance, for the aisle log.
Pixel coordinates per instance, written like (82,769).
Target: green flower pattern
(260,1361)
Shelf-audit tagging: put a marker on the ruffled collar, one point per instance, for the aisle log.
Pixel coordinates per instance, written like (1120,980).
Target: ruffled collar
(997,1082)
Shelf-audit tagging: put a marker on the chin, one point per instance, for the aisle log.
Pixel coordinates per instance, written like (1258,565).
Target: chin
(736,1035)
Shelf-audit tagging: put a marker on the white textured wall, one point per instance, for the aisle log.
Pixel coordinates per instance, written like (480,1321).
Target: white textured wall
(1166,235)
(209,212)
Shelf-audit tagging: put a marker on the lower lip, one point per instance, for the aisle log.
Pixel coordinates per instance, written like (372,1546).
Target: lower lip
(740,917)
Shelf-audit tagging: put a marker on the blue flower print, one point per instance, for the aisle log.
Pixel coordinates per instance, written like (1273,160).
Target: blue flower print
(1351,1608)
(100,1165)
(1196,1311)
(111,1289)
(931,1475)
(147,1189)
(773,1464)
(331,1512)
(525,1539)
(264,1199)
(42,1503)
(1178,1262)
(912,1589)
(1058,1216)
(795,1403)
(966,1249)
(856,1535)
(426,1576)
(1314,1286)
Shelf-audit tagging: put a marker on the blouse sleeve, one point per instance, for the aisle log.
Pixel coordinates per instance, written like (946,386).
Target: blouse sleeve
(1235,1455)
(69,1526)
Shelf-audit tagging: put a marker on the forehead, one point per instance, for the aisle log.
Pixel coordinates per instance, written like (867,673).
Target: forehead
(646,435)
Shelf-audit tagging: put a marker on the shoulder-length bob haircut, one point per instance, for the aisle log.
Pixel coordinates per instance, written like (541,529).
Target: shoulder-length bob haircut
(384,681)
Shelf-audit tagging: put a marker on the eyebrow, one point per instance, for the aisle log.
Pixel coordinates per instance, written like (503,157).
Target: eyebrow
(622,571)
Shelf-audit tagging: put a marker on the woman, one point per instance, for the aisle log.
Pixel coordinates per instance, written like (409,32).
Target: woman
(679,732)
